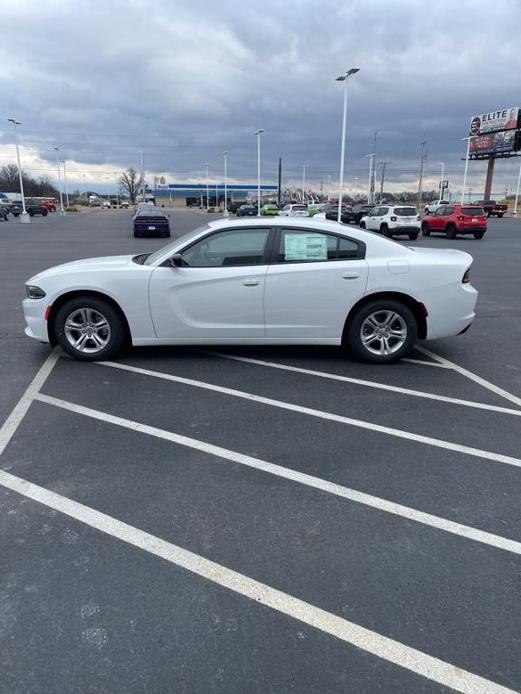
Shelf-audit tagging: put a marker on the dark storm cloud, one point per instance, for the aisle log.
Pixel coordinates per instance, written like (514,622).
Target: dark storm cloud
(184,81)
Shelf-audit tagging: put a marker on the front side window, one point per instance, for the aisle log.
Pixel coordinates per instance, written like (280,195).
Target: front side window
(440,211)
(299,246)
(383,211)
(449,210)
(226,248)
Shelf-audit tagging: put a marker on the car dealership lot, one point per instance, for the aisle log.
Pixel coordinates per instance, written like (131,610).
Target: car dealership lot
(227,520)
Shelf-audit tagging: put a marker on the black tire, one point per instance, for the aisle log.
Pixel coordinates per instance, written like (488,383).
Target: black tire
(44,214)
(479,234)
(117,336)
(425,229)
(413,236)
(362,225)
(384,229)
(31,214)
(16,214)
(137,235)
(450,231)
(166,234)
(352,338)
(500,214)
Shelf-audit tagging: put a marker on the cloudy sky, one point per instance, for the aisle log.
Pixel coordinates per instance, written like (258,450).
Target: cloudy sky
(184,81)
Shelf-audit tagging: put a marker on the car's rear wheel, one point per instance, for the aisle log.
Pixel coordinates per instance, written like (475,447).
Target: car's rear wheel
(500,214)
(425,229)
(479,234)
(44,213)
(450,231)
(137,235)
(382,331)
(89,329)
(413,235)
(384,229)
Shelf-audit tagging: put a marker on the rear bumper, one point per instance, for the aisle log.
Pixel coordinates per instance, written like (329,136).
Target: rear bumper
(413,229)
(471,229)
(450,312)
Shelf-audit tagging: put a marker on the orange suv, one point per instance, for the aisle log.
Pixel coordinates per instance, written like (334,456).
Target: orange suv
(452,220)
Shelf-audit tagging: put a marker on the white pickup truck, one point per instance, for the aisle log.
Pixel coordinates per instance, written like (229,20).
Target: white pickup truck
(433,206)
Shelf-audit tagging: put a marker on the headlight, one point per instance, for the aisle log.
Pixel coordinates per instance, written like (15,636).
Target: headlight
(34,292)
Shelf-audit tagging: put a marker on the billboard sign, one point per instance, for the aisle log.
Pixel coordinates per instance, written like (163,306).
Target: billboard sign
(494,144)
(496,121)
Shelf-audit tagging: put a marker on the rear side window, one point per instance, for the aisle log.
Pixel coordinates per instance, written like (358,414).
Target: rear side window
(299,246)
(405,211)
(474,211)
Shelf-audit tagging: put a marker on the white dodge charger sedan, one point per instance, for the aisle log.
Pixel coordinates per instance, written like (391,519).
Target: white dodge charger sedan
(257,281)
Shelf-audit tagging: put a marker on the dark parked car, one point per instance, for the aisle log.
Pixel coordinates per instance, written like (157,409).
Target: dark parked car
(151,221)
(31,207)
(332,213)
(247,211)
(359,211)
(4,211)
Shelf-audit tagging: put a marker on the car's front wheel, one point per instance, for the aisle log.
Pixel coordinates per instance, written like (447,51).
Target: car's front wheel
(451,231)
(382,331)
(362,225)
(89,329)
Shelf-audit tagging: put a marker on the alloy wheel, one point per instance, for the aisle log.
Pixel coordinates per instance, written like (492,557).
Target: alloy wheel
(87,330)
(383,332)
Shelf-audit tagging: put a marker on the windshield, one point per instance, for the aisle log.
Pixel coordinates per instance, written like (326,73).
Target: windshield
(299,207)
(154,257)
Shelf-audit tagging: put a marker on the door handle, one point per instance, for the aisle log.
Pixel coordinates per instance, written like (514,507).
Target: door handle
(350,275)
(251,283)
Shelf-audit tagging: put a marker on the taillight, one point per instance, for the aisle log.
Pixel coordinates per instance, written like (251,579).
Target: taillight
(461,218)
(466,277)
(394,219)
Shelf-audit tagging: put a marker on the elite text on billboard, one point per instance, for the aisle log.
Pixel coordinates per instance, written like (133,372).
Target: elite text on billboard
(495,121)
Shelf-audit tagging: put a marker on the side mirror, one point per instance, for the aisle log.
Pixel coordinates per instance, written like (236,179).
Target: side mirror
(176,260)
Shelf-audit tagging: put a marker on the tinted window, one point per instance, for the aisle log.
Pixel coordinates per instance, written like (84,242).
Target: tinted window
(383,210)
(233,247)
(299,207)
(375,212)
(474,211)
(440,211)
(449,210)
(405,211)
(299,246)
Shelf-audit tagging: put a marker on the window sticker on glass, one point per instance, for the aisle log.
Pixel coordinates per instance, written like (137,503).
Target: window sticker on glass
(305,247)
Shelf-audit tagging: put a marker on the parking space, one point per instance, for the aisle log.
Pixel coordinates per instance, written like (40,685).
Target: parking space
(260,519)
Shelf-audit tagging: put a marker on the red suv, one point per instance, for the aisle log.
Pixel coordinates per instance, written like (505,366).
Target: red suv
(456,219)
(49,206)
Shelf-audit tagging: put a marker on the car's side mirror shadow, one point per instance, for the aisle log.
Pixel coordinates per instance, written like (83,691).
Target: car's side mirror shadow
(177,260)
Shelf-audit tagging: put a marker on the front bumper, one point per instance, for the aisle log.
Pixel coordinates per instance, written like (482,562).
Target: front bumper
(34,312)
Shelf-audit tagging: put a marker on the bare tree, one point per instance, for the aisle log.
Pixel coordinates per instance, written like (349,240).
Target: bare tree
(9,180)
(130,183)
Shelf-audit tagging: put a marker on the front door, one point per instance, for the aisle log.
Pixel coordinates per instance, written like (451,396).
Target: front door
(312,284)
(218,291)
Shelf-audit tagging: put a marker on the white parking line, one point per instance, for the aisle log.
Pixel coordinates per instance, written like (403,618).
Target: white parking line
(421,362)
(472,376)
(368,384)
(375,502)
(371,426)
(372,642)
(12,423)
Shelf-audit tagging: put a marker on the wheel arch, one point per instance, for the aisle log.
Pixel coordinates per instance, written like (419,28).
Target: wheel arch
(63,298)
(416,307)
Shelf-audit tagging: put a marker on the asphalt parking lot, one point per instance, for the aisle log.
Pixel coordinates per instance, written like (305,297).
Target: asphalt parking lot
(259,520)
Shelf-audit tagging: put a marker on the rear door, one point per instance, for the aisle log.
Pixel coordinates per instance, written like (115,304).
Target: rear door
(311,284)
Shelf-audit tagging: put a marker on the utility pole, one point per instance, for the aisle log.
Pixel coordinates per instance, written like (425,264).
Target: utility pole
(384,166)
(321,188)
(279,189)
(372,172)
(423,159)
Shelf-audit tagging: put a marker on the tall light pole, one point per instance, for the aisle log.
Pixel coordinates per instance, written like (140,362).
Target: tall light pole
(442,164)
(25,218)
(345,79)
(116,184)
(65,183)
(258,134)
(207,188)
(57,150)
(469,138)
(517,191)
(382,180)
(304,166)
(225,213)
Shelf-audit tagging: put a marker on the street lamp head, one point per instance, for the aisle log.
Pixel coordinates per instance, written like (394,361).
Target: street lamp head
(14,121)
(348,73)
(225,153)
(259,131)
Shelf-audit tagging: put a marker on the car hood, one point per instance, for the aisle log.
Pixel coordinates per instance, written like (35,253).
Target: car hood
(110,262)
(443,254)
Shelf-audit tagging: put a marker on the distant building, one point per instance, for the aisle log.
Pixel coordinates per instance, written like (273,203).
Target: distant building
(194,194)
